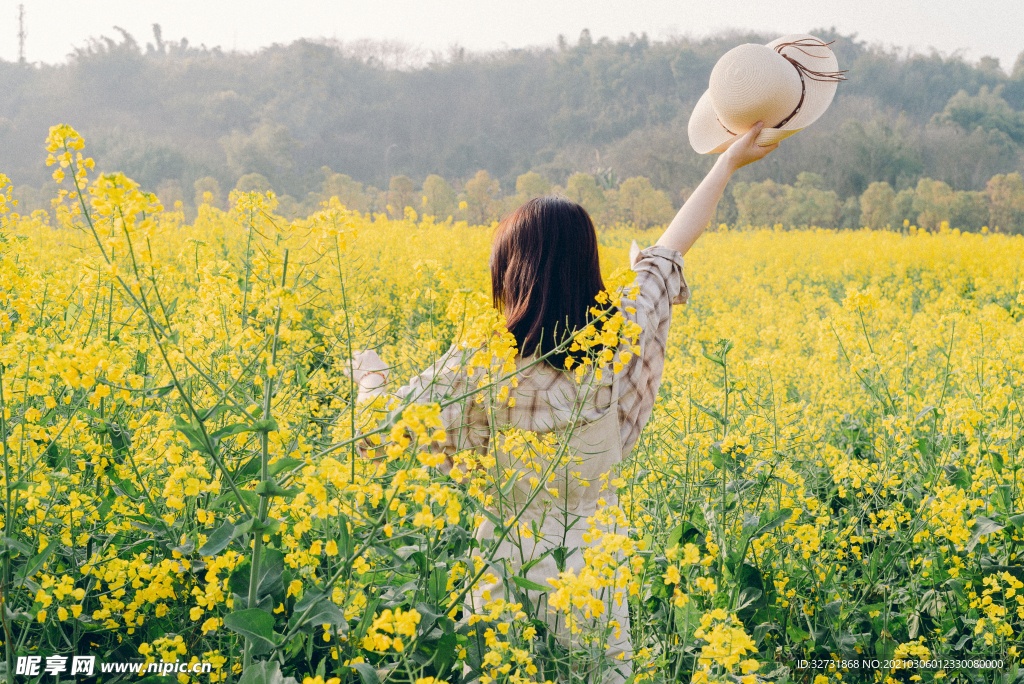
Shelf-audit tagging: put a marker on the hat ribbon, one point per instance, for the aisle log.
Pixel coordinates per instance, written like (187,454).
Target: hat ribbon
(834,76)
(827,76)
(811,74)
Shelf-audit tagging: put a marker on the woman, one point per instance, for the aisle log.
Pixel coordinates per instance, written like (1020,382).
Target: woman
(545,275)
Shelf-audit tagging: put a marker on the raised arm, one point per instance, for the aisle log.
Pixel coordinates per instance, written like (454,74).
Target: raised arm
(695,214)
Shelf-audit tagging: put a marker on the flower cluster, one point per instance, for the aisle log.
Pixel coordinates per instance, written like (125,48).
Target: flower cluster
(187,473)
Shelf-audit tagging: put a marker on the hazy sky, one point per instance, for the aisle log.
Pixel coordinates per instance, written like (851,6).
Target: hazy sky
(54,27)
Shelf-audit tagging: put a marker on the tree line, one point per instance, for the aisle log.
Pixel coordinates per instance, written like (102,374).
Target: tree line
(183,120)
(930,205)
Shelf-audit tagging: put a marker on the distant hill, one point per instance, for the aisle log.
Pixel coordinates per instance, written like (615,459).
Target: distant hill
(169,114)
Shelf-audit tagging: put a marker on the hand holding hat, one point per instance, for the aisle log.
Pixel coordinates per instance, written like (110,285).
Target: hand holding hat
(744,149)
(787,84)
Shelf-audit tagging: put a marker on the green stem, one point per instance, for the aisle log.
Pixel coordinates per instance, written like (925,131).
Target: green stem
(348,341)
(264,508)
(245,285)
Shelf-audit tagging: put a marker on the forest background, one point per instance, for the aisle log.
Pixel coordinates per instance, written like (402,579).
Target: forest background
(910,138)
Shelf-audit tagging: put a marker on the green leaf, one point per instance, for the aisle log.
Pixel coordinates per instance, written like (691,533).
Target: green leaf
(249,469)
(713,357)
(797,634)
(185,549)
(285,464)
(238,580)
(778,520)
(530,585)
(255,625)
(218,541)
(510,484)
(687,619)
(251,500)
(529,564)
(143,526)
(437,585)
(120,439)
(366,673)
(254,525)
(325,610)
(710,412)
(265,672)
(445,653)
(125,486)
(921,414)
(345,545)
(18,546)
(961,478)
(268,425)
(885,648)
(982,526)
(195,437)
(270,488)
(748,597)
(430,615)
(674,537)
(268,580)
(1004,496)
(92,414)
(658,587)
(366,620)
(36,563)
(212,414)
(157,392)
(761,630)
(997,461)
(229,430)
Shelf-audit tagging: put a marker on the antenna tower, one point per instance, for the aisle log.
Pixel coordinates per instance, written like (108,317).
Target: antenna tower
(21,34)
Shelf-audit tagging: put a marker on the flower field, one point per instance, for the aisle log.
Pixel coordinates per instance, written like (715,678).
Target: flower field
(832,472)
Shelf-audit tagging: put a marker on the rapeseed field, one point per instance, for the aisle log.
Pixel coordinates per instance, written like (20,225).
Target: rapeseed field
(829,488)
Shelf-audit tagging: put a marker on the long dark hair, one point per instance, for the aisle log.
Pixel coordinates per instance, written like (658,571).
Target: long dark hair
(545,273)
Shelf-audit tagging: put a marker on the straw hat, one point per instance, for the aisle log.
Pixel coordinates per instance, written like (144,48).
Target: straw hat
(787,83)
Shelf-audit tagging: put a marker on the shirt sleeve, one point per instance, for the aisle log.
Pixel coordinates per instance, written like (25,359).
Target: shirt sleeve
(465,420)
(660,285)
